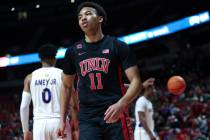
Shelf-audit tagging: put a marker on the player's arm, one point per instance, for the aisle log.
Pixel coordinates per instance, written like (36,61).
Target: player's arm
(66,91)
(134,88)
(112,114)
(74,120)
(129,63)
(74,110)
(68,76)
(146,83)
(24,108)
(142,119)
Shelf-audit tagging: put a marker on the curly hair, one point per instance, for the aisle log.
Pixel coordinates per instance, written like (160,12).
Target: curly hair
(47,51)
(100,10)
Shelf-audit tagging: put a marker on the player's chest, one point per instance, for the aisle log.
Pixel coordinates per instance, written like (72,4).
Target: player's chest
(85,54)
(101,57)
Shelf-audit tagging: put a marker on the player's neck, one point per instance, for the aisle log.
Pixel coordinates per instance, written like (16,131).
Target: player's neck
(48,62)
(146,96)
(94,36)
(44,64)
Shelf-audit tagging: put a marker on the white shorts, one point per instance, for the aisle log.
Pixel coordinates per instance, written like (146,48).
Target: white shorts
(46,129)
(141,134)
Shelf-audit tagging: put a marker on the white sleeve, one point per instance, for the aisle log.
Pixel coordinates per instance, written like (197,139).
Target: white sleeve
(140,105)
(24,110)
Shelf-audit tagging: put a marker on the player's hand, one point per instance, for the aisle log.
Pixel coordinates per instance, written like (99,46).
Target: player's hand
(75,129)
(152,137)
(60,132)
(112,114)
(148,82)
(27,135)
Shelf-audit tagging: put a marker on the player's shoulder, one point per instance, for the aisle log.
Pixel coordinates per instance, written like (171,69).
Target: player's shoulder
(57,70)
(110,38)
(49,69)
(117,41)
(37,71)
(72,50)
(29,75)
(77,45)
(141,99)
(28,78)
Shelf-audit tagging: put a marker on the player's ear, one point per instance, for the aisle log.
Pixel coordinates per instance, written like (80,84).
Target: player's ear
(101,19)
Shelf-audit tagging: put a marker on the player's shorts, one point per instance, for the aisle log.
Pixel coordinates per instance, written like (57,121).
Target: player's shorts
(141,134)
(46,129)
(97,129)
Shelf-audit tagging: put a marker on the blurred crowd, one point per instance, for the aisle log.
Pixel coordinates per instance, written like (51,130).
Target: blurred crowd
(10,125)
(184,117)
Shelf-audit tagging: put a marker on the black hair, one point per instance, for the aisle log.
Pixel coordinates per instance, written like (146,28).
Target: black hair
(47,51)
(99,9)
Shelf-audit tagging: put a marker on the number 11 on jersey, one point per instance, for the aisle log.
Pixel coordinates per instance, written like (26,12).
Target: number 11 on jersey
(93,83)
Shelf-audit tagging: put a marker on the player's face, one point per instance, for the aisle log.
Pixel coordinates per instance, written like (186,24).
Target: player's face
(151,91)
(88,19)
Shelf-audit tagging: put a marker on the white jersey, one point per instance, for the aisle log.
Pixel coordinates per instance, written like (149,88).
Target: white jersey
(144,105)
(45,90)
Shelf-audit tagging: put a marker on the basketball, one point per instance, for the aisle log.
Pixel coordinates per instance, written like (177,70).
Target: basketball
(176,85)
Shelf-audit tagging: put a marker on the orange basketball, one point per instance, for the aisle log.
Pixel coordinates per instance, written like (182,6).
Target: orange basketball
(176,85)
